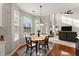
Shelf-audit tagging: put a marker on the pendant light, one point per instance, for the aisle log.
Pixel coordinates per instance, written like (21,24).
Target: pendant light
(41,16)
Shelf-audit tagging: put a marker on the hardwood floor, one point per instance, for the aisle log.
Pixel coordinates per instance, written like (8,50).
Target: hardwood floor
(62,50)
(15,53)
(58,50)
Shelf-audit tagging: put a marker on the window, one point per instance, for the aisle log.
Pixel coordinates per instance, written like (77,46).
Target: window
(70,21)
(66,20)
(75,22)
(27,24)
(16,25)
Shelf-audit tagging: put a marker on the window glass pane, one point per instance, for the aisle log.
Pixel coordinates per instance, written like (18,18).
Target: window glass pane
(69,21)
(27,24)
(64,19)
(16,25)
(76,22)
(16,18)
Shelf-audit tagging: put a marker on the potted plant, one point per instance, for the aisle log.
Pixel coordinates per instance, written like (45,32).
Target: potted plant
(38,32)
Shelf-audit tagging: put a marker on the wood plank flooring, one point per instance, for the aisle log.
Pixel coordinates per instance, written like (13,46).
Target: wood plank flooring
(15,53)
(62,50)
(56,51)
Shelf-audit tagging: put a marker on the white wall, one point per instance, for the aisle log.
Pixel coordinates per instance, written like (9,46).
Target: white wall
(59,21)
(1,14)
(7,26)
(1,29)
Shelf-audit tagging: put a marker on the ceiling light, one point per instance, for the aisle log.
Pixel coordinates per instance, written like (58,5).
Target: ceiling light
(40,16)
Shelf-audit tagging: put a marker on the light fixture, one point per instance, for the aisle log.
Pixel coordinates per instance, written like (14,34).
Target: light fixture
(41,24)
(41,16)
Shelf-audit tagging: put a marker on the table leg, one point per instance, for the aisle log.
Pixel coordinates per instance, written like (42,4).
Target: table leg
(36,47)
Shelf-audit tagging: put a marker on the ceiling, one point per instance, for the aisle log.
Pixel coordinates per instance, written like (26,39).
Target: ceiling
(47,8)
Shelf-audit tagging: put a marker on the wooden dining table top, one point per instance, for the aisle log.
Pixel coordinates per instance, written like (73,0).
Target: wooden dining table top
(36,38)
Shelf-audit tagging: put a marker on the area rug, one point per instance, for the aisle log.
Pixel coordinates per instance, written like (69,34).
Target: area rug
(41,52)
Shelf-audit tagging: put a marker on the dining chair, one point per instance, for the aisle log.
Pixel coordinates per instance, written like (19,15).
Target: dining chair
(44,44)
(46,41)
(26,39)
(30,45)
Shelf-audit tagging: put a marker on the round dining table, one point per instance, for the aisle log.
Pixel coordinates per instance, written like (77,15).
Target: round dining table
(37,39)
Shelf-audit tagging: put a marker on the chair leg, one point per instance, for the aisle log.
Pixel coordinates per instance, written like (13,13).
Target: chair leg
(36,48)
(26,50)
(48,47)
(31,52)
(45,48)
(39,46)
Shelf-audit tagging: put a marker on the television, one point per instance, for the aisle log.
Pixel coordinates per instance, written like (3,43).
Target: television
(66,28)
